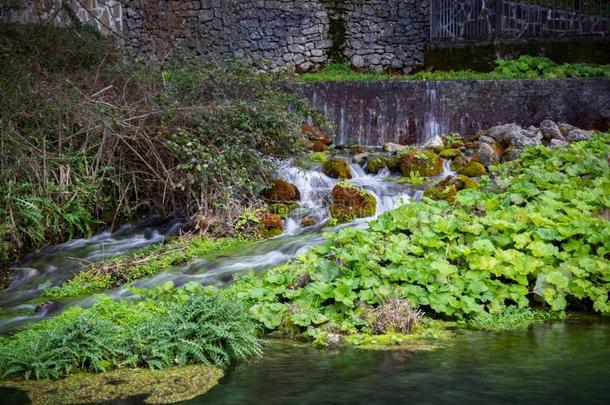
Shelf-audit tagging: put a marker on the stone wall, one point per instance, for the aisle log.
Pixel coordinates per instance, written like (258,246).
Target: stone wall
(374,34)
(105,15)
(410,112)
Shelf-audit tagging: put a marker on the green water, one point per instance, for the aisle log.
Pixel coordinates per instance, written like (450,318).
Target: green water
(564,362)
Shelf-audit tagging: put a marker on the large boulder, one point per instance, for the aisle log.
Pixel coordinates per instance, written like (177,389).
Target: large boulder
(423,162)
(337,168)
(565,128)
(513,135)
(489,153)
(550,130)
(281,191)
(351,202)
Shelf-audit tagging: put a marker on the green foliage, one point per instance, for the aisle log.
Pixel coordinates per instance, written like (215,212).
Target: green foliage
(511,318)
(86,138)
(168,327)
(525,67)
(541,241)
(142,264)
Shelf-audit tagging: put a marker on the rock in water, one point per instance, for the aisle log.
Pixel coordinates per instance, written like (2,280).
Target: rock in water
(337,168)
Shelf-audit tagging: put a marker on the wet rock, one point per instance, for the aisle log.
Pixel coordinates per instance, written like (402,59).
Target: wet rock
(433,142)
(360,158)
(504,134)
(393,163)
(420,162)
(45,307)
(337,168)
(558,144)
(281,191)
(473,169)
(308,221)
(577,135)
(393,147)
(377,164)
(351,202)
(550,130)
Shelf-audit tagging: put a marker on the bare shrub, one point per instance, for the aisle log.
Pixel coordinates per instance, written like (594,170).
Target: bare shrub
(397,315)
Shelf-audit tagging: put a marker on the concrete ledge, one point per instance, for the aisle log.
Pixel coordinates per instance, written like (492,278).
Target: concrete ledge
(409,112)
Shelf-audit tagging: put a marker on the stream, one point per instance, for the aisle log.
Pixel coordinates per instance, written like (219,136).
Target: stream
(55,265)
(559,362)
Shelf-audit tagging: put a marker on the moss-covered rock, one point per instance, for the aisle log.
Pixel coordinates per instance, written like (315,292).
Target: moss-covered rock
(450,153)
(5,279)
(424,162)
(351,202)
(270,225)
(337,168)
(377,164)
(282,209)
(473,169)
(393,163)
(459,162)
(448,188)
(281,191)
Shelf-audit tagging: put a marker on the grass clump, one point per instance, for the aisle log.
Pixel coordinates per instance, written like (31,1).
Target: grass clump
(144,263)
(532,236)
(168,327)
(524,67)
(511,318)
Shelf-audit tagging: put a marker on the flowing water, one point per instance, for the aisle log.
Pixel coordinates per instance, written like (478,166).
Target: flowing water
(57,264)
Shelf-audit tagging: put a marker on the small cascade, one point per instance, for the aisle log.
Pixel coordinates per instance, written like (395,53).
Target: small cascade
(434,114)
(55,265)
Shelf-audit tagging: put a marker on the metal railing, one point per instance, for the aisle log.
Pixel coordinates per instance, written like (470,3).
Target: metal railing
(480,20)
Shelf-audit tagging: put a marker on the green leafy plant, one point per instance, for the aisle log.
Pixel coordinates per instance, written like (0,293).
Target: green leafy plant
(176,327)
(539,242)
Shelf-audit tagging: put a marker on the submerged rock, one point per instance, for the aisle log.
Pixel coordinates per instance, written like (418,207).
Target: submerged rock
(281,191)
(351,202)
(337,168)
(423,162)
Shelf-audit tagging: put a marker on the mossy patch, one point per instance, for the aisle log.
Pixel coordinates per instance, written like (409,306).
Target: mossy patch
(337,168)
(450,153)
(473,169)
(351,202)
(424,162)
(282,209)
(157,386)
(281,191)
(377,164)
